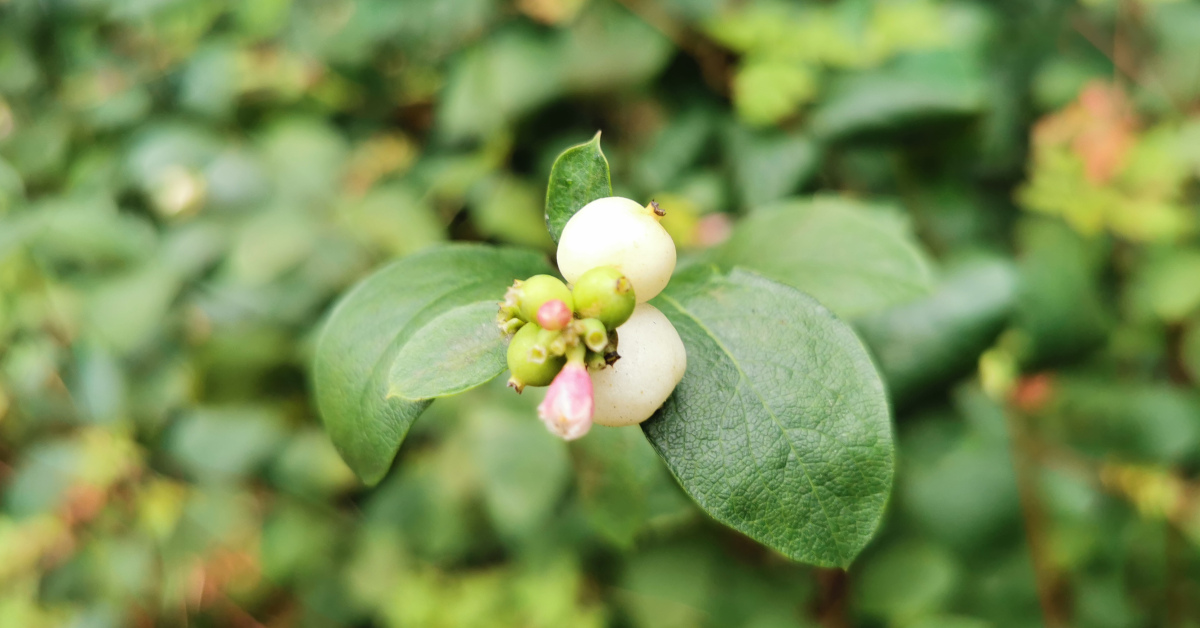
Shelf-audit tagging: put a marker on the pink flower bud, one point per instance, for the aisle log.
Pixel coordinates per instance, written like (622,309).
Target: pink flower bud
(554,315)
(568,406)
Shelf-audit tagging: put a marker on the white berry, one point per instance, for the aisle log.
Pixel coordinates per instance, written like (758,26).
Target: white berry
(652,363)
(618,232)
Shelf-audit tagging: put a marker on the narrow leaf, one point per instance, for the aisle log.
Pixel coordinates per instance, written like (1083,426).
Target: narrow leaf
(852,257)
(374,323)
(780,427)
(579,176)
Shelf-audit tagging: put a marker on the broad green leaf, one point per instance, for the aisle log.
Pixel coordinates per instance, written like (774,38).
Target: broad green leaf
(579,176)
(454,352)
(931,88)
(853,259)
(780,427)
(372,326)
(930,341)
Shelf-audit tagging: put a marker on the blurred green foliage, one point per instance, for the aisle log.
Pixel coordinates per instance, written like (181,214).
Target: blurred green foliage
(186,185)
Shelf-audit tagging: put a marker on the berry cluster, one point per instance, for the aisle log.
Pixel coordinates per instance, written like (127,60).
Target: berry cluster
(616,256)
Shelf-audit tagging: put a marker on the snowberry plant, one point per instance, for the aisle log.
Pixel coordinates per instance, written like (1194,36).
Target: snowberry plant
(764,405)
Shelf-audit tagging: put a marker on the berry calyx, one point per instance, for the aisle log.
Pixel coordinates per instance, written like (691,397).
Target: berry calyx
(537,290)
(618,232)
(525,371)
(606,294)
(554,315)
(652,363)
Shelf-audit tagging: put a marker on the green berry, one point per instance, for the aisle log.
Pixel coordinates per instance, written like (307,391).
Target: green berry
(605,294)
(526,372)
(539,289)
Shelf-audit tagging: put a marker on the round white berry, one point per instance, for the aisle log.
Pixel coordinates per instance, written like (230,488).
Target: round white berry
(618,232)
(652,363)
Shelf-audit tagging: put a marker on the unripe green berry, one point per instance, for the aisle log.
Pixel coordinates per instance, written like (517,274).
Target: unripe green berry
(604,293)
(526,372)
(539,289)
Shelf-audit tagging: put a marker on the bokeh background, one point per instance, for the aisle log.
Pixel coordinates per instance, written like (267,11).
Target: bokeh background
(187,185)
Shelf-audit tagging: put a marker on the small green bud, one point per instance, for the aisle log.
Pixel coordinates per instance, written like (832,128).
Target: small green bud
(543,347)
(537,290)
(595,361)
(510,326)
(593,333)
(605,294)
(526,372)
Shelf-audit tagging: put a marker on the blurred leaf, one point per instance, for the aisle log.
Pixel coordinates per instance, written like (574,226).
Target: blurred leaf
(371,325)
(669,587)
(1145,423)
(907,581)
(579,176)
(609,48)
(929,342)
(523,467)
(125,312)
(675,148)
(394,219)
(776,475)
(490,84)
(616,469)
(957,482)
(944,87)
(1167,284)
(309,466)
(1060,308)
(767,91)
(849,256)
(510,210)
(223,444)
(770,166)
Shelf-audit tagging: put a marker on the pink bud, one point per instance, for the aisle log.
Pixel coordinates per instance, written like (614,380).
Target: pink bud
(568,406)
(554,315)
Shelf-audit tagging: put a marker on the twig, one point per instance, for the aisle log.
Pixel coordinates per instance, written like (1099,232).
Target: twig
(1049,584)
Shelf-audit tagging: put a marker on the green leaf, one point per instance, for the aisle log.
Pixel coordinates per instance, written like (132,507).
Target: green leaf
(929,88)
(780,427)
(579,176)
(523,468)
(931,341)
(452,353)
(375,322)
(853,258)
(770,166)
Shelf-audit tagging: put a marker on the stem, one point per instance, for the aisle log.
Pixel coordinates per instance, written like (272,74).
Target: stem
(833,593)
(1051,592)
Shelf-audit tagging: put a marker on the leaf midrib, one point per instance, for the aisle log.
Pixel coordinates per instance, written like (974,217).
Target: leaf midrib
(743,377)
